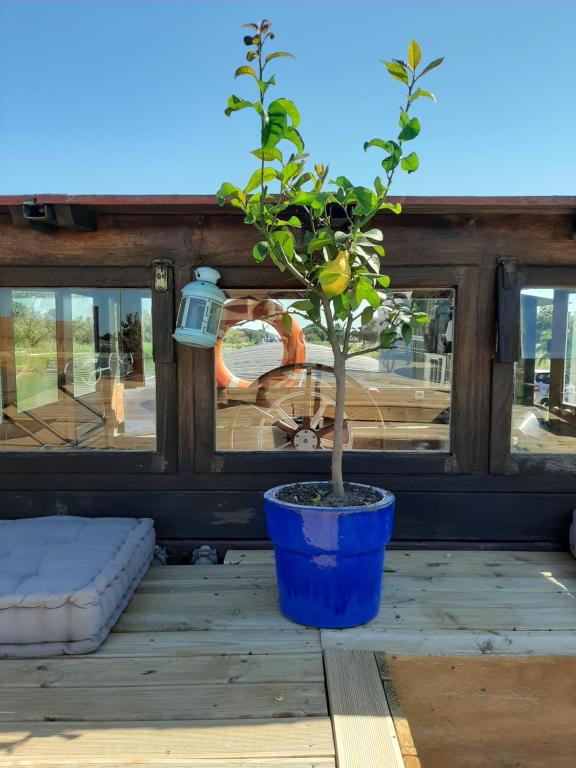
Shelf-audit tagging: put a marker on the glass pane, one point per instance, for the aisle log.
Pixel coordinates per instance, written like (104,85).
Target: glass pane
(76,370)
(276,391)
(214,318)
(195,314)
(544,411)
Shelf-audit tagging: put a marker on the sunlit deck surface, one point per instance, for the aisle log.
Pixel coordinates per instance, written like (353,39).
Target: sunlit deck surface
(202,670)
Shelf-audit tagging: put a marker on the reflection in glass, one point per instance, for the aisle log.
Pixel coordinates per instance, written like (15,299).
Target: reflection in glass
(276,390)
(76,370)
(544,412)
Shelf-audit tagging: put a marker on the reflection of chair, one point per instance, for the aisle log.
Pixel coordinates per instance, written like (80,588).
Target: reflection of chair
(13,425)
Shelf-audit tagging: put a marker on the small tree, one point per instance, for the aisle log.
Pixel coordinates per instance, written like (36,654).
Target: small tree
(320,235)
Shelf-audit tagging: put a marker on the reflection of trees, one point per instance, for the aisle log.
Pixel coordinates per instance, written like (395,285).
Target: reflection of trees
(32,325)
(544,316)
(131,332)
(315,335)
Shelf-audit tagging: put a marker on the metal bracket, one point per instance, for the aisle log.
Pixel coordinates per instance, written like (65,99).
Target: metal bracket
(509,284)
(162,270)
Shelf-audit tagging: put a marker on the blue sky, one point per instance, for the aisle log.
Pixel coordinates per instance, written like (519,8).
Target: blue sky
(127,96)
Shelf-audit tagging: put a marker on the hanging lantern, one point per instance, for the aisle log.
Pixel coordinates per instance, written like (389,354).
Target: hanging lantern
(200,310)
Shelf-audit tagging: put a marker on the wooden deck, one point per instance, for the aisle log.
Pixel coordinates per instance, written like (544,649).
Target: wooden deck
(202,670)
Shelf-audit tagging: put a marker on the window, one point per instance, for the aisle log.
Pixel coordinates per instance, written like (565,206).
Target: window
(76,370)
(544,411)
(275,390)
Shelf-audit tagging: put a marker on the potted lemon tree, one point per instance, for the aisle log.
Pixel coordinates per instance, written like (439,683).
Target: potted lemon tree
(329,536)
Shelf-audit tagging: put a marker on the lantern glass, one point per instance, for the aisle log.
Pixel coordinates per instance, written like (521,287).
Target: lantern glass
(196,311)
(214,318)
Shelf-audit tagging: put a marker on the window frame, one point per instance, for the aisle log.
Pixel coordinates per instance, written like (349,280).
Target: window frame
(467,420)
(164,458)
(502,460)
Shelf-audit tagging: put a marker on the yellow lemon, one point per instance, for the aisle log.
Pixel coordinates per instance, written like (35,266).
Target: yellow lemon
(335,276)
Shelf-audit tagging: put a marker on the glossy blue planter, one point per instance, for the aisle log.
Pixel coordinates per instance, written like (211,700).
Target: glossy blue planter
(329,561)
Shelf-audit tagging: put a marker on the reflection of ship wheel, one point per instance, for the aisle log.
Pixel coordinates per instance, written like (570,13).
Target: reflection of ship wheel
(292,408)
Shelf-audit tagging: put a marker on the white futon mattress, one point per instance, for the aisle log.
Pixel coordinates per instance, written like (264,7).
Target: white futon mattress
(64,581)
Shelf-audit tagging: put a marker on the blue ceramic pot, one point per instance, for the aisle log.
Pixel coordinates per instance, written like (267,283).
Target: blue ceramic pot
(329,561)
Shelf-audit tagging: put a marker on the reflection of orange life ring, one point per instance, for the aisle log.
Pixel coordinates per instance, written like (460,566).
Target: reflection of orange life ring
(240,310)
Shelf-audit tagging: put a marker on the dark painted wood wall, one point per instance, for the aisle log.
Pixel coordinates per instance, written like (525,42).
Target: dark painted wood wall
(475,497)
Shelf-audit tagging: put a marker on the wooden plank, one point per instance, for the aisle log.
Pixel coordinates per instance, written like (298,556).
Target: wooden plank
(363,727)
(183,702)
(188,762)
(78,743)
(184,644)
(393,583)
(442,642)
(397,556)
(394,556)
(211,600)
(403,732)
(102,671)
(265,601)
(190,620)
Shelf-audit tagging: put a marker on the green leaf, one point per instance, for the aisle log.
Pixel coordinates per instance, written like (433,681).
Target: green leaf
(260,251)
(302,306)
(292,135)
(251,55)
(286,321)
(383,280)
(293,221)
(367,315)
(410,130)
(259,177)
(366,201)
(235,103)
(341,304)
(277,55)
(303,198)
(396,71)
(374,234)
(379,186)
(342,181)
(420,318)
(245,70)
(274,126)
(365,291)
(285,242)
(290,109)
(419,92)
(229,190)
(406,333)
(414,54)
(289,171)
(387,338)
(379,250)
(302,180)
(268,154)
(376,143)
(321,240)
(394,207)
(432,65)
(390,162)
(410,163)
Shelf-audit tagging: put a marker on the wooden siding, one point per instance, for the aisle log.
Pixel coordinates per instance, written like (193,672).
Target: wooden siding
(474,495)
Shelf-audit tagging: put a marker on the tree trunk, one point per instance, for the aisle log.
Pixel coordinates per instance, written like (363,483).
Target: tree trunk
(337,449)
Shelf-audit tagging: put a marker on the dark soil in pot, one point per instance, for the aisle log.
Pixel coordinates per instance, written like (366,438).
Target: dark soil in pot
(321,495)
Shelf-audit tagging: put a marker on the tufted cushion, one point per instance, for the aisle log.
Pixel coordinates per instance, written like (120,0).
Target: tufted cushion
(65,580)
